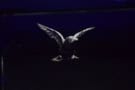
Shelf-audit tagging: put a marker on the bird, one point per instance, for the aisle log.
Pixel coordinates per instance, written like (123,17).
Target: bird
(66,45)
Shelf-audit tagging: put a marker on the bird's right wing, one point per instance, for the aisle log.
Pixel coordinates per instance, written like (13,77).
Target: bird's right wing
(79,34)
(53,34)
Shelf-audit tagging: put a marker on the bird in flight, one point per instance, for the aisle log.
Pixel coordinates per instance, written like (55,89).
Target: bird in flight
(66,45)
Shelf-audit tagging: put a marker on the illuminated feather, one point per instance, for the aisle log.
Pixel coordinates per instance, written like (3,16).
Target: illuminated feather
(53,34)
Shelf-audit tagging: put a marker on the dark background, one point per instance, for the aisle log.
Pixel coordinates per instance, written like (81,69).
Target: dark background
(106,53)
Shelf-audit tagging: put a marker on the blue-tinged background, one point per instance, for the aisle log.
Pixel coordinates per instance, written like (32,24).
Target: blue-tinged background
(29,5)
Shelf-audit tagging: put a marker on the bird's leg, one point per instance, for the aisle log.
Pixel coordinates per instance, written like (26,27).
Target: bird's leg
(74,56)
(57,59)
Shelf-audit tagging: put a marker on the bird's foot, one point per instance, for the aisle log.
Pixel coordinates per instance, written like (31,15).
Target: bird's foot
(74,57)
(57,59)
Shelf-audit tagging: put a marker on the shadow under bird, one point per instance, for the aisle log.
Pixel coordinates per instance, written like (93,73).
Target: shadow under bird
(66,45)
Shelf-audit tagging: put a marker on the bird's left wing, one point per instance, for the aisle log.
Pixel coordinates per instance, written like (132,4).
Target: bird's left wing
(53,34)
(79,34)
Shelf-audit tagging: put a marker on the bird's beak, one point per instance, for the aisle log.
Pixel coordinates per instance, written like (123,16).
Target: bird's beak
(75,39)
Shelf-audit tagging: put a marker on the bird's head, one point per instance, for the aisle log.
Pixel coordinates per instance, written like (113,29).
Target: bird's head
(71,39)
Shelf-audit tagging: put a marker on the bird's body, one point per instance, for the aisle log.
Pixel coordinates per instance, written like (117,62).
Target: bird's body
(68,48)
(66,45)
(67,51)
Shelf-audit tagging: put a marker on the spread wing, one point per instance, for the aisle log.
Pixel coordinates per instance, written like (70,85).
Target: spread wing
(53,34)
(79,34)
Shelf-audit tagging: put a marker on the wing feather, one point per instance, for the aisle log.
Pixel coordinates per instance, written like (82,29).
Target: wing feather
(53,34)
(79,34)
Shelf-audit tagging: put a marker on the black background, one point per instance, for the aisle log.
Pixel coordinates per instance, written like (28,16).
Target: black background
(106,53)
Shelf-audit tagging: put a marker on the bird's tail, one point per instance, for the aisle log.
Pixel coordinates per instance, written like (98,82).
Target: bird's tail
(57,58)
